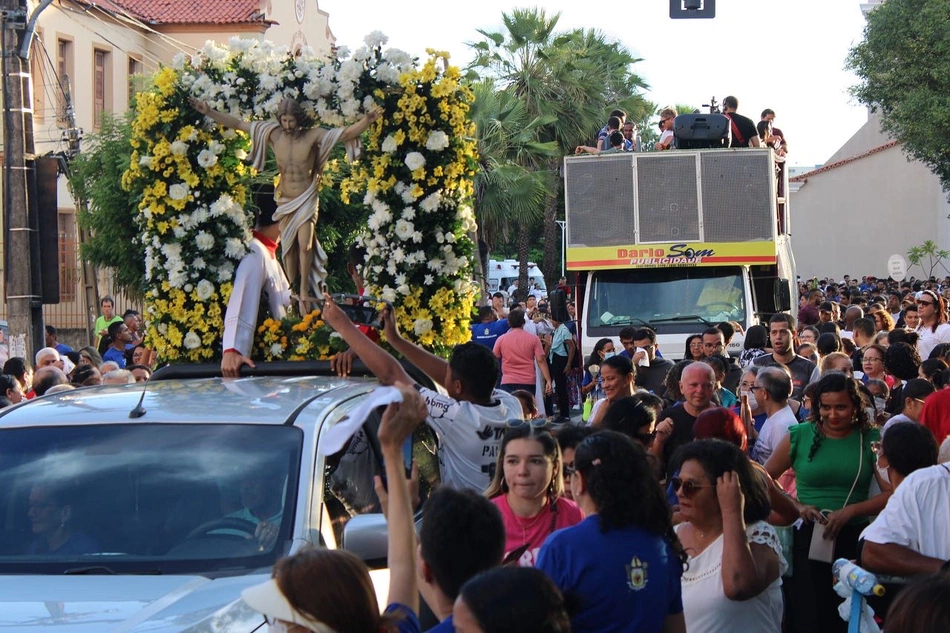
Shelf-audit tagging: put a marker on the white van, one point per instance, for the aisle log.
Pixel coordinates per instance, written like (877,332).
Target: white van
(501,274)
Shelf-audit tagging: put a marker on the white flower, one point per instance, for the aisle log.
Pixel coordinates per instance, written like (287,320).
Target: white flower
(431,202)
(403,289)
(437,141)
(226,272)
(408,213)
(388,294)
(179,148)
(439,237)
(205,289)
(207,158)
(204,240)
(389,144)
(234,248)
(422,326)
(240,154)
(145,161)
(198,264)
(415,160)
(417,238)
(404,230)
(374,39)
(192,340)
(178,191)
(428,279)
(276,349)
(407,196)
(179,61)
(216,147)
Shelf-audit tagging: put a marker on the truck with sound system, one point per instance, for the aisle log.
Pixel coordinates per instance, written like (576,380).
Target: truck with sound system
(678,241)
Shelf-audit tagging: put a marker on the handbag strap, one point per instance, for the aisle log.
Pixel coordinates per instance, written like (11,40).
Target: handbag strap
(860,468)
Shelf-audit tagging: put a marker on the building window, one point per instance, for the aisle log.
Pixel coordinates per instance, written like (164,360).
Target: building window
(64,68)
(136,79)
(68,258)
(102,85)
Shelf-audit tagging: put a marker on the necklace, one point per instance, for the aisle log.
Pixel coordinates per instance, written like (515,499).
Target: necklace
(525,526)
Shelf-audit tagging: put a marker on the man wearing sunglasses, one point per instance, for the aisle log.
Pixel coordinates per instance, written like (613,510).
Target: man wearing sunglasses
(666,130)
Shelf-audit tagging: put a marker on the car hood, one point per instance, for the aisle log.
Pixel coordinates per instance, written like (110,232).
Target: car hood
(127,604)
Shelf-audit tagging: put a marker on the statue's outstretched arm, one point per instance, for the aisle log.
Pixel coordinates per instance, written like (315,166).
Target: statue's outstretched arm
(220,118)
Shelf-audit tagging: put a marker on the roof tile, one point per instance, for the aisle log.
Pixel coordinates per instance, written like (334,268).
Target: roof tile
(191,12)
(880,148)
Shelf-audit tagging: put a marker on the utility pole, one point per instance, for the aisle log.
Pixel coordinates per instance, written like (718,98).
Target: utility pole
(25,307)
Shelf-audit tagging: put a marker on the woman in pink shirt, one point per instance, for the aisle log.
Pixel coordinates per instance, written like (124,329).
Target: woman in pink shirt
(528,488)
(519,352)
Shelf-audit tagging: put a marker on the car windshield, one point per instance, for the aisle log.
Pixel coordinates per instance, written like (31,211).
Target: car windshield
(667,299)
(146,498)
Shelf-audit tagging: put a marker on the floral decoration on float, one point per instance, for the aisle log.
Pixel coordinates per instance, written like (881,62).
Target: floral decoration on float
(413,180)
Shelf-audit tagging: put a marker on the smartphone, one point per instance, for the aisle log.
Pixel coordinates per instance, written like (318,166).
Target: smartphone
(361,310)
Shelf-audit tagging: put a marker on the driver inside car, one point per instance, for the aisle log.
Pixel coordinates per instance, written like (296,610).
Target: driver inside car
(52,517)
(262,497)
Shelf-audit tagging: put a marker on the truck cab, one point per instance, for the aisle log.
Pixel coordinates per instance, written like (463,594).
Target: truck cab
(677,241)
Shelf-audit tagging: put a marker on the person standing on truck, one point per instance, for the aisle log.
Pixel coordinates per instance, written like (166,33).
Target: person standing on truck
(781,329)
(744,132)
(666,130)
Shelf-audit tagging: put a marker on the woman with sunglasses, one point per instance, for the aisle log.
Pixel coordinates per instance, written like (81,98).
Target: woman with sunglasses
(623,562)
(528,488)
(733,578)
(834,464)
(933,328)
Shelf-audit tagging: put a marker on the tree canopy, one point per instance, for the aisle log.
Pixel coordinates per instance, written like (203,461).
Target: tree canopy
(904,67)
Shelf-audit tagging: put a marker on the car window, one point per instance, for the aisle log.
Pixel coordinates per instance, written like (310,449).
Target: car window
(167,498)
(348,475)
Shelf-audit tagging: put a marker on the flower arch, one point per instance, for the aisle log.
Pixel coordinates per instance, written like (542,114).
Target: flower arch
(414,181)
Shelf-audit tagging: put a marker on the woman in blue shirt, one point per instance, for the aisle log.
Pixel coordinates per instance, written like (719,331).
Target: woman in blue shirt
(622,563)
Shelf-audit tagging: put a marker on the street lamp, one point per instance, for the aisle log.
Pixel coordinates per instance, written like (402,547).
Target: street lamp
(563,225)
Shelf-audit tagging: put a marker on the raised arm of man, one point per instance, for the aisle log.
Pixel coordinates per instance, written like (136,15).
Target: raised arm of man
(221,118)
(429,363)
(386,368)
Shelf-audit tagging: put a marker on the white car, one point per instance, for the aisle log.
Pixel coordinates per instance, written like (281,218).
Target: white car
(157,521)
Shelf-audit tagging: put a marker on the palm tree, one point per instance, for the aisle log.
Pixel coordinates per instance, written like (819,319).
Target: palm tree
(507,194)
(567,82)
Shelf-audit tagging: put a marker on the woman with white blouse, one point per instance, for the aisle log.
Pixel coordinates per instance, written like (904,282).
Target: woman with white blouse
(733,579)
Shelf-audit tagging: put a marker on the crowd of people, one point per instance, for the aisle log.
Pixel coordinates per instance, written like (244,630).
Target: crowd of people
(709,494)
(675,507)
(120,356)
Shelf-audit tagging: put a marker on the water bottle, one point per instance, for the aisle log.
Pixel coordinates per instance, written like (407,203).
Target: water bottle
(860,580)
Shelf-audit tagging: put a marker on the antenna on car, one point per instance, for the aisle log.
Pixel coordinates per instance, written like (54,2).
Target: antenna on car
(139,410)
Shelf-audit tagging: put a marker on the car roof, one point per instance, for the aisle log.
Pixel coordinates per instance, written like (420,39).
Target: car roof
(252,400)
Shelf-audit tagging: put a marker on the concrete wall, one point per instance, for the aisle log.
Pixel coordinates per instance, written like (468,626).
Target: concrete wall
(850,219)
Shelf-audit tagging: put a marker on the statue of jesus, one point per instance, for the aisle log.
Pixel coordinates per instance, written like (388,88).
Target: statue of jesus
(301,155)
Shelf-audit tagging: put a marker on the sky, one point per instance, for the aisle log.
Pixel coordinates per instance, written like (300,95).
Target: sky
(787,55)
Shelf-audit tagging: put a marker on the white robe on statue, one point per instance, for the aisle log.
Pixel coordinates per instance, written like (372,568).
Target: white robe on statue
(258,272)
(294,213)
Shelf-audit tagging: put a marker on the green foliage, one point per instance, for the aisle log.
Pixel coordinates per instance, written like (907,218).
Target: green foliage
(904,67)
(561,86)
(928,256)
(106,211)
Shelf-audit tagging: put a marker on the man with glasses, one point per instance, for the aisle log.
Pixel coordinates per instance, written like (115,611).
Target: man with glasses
(772,387)
(781,327)
(666,130)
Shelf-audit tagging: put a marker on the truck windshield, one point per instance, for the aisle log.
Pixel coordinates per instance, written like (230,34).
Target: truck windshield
(146,498)
(669,300)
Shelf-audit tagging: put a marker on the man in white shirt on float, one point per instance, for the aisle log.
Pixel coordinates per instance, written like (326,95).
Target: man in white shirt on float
(260,270)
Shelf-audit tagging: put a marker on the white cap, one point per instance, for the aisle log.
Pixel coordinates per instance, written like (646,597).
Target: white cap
(267,599)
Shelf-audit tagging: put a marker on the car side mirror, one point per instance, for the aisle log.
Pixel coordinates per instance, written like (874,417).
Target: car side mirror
(367,536)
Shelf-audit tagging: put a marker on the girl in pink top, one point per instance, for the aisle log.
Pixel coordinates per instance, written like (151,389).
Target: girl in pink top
(528,488)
